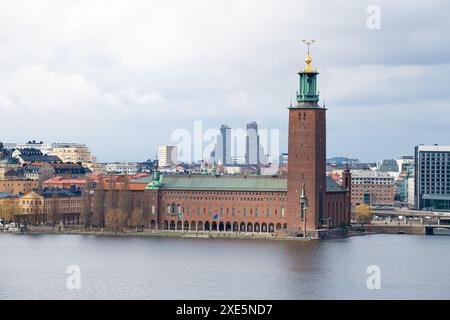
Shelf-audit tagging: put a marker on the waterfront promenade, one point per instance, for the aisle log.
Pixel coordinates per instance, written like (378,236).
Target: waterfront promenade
(79,230)
(354,230)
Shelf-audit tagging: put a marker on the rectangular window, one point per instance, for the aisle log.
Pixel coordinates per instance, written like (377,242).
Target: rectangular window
(282,212)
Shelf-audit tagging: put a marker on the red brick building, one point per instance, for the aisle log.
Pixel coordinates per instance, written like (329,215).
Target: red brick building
(261,204)
(229,203)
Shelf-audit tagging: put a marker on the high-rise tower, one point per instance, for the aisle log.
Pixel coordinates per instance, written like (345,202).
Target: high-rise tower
(307,153)
(252,147)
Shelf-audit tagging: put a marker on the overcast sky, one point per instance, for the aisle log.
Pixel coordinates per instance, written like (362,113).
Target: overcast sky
(121,76)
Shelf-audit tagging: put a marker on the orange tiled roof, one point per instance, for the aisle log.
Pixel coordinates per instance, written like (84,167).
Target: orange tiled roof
(59,179)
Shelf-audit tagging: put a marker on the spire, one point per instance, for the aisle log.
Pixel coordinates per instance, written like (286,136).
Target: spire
(156,173)
(303,199)
(302,196)
(307,91)
(308,59)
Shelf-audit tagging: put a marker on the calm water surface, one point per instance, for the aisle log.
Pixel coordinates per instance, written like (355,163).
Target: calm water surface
(412,267)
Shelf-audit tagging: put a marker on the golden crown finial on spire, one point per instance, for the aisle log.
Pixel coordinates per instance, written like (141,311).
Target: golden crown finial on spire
(308,59)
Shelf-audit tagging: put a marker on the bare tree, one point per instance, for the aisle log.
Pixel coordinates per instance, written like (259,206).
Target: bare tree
(111,200)
(115,219)
(86,198)
(125,199)
(137,218)
(8,209)
(115,212)
(54,210)
(145,204)
(36,210)
(99,210)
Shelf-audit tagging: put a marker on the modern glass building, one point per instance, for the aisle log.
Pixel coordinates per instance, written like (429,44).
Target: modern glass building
(432,177)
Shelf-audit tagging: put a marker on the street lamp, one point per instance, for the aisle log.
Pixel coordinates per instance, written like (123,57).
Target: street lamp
(303,207)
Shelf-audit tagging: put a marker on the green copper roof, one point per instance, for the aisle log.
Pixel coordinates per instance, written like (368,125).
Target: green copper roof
(333,186)
(202,182)
(229,183)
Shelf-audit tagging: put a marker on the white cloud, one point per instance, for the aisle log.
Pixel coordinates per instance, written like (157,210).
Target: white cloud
(131,71)
(6,104)
(38,89)
(372,84)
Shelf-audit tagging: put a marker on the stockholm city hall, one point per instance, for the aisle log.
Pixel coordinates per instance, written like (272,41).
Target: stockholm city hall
(307,200)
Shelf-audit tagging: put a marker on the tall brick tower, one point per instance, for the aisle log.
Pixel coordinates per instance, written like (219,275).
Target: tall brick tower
(306,154)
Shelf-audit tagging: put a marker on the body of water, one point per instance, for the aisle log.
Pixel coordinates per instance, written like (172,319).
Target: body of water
(411,267)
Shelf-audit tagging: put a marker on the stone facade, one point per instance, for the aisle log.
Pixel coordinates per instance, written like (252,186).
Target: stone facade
(17,186)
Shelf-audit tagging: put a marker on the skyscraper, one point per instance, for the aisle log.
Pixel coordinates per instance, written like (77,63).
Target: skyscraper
(252,152)
(222,150)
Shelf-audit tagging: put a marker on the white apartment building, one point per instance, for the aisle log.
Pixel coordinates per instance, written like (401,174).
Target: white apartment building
(71,152)
(129,168)
(167,156)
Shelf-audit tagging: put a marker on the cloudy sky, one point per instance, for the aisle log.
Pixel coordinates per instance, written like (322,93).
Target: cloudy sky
(121,76)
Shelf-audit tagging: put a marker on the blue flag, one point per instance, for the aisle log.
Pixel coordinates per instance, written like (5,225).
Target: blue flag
(216,216)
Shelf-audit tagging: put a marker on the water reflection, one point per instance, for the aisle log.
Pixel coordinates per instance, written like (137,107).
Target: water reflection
(163,268)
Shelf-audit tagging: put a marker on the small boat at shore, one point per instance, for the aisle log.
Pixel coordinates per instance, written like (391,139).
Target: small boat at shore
(11,227)
(441,231)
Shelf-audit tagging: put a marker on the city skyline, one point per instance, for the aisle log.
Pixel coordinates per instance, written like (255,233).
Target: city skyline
(154,155)
(150,72)
(45,145)
(251,152)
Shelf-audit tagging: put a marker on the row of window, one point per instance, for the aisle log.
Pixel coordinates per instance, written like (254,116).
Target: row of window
(372,182)
(178,209)
(223,195)
(50,210)
(231,193)
(180,197)
(47,202)
(373,187)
